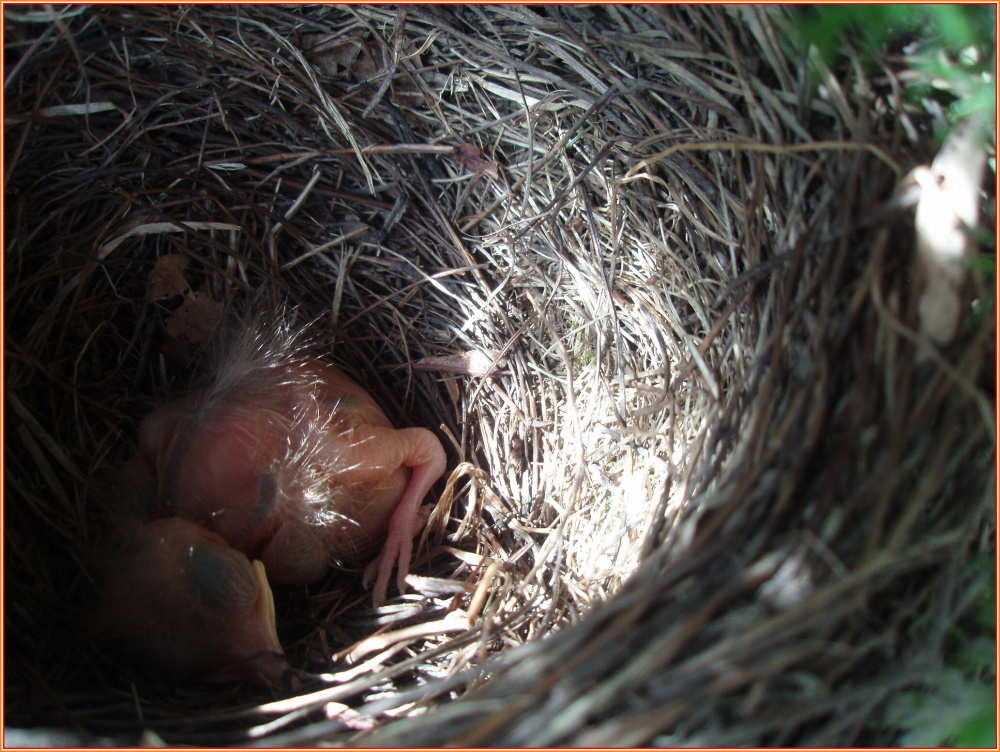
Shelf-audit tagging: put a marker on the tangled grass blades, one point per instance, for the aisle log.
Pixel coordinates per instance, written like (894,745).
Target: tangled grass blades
(638,267)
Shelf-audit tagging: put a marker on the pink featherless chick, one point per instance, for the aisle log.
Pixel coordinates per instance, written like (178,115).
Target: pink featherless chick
(292,462)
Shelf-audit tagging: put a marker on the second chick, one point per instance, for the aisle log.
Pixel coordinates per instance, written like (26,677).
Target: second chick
(292,462)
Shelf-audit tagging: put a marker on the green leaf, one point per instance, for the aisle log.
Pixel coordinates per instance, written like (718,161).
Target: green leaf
(978,731)
(953,25)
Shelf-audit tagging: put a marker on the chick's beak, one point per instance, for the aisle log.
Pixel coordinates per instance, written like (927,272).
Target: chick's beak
(266,604)
(268,665)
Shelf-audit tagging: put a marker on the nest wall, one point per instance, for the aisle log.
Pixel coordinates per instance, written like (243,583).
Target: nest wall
(702,481)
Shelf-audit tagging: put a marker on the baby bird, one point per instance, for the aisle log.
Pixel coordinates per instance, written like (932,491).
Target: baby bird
(292,462)
(182,603)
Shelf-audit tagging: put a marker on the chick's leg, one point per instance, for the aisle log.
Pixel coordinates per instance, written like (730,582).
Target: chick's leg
(423,454)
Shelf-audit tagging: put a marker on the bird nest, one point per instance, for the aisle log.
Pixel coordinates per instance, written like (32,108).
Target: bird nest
(638,268)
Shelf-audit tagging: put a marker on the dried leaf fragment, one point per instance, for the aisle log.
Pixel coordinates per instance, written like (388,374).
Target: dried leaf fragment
(469,363)
(471,158)
(167,279)
(196,319)
(335,56)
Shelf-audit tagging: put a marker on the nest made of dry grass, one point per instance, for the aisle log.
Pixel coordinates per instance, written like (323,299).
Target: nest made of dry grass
(698,473)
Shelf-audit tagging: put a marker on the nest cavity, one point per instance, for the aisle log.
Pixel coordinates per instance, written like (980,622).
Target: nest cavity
(636,266)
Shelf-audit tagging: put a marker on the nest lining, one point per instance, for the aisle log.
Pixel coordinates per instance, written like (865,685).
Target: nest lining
(680,389)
